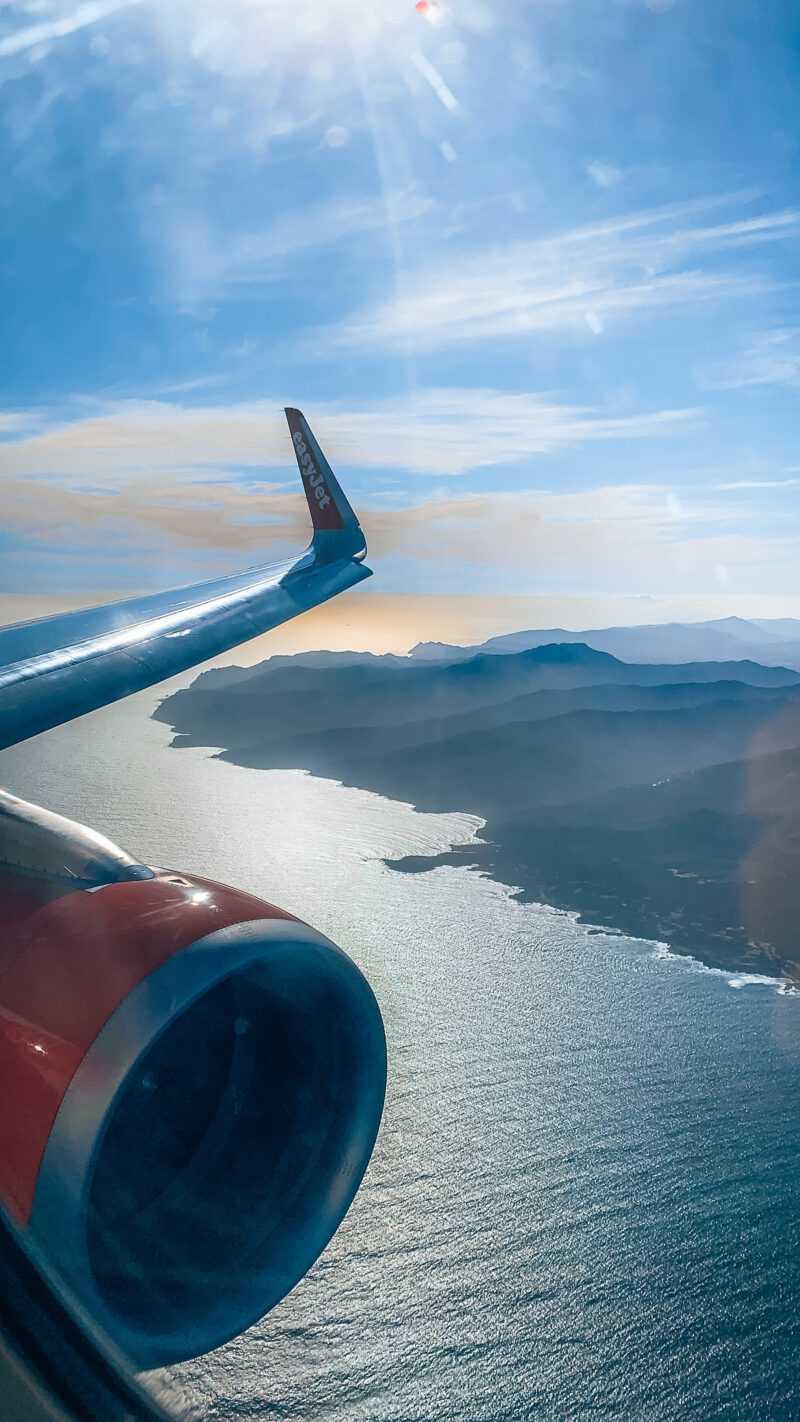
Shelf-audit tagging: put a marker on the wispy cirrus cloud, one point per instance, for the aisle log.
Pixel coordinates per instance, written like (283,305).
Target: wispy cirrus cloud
(603,175)
(436,431)
(205,259)
(769,357)
(68,22)
(658,259)
(756,484)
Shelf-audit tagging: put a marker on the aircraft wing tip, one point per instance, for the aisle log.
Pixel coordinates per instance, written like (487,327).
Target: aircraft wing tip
(337,532)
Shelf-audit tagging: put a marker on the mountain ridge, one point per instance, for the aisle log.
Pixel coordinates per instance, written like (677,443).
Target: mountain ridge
(581,765)
(765,640)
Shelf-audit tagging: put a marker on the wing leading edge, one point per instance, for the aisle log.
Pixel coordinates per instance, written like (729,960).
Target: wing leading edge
(57,668)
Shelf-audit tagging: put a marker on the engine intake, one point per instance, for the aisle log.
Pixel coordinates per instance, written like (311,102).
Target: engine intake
(190,1107)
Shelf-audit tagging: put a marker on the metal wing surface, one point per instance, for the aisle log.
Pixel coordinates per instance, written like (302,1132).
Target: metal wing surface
(56,668)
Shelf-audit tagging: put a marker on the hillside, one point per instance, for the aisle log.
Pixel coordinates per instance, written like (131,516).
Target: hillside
(259,703)
(706,862)
(638,794)
(771,641)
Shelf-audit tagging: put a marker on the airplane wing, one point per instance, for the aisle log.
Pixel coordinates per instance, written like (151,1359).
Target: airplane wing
(56,668)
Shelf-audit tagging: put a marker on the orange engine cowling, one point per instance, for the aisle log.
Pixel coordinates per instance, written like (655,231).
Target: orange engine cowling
(192,1086)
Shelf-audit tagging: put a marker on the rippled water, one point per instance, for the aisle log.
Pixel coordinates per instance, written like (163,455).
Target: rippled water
(585,1200)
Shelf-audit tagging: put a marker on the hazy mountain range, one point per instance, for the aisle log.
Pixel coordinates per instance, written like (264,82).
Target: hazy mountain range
(771,641)
(653,797)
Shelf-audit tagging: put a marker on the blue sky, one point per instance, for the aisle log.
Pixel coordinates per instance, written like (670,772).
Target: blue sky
(530,268)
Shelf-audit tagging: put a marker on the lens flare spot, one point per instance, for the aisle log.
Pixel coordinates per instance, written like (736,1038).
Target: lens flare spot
(434,11)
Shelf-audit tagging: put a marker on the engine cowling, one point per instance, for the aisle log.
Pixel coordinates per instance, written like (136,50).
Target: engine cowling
(192,1085)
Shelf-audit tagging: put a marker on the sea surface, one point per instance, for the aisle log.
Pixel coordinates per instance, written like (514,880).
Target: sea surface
(585,1200)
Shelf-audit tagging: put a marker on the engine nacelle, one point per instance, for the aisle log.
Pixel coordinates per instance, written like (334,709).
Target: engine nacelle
(192,1083)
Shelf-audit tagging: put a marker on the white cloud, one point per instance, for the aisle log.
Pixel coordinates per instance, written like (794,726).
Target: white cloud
(450,431)
(612,269)
(436,431)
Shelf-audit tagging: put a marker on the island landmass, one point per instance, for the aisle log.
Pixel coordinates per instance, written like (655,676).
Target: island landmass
(659,800)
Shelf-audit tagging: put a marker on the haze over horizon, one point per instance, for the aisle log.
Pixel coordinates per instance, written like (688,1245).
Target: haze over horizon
(370,621)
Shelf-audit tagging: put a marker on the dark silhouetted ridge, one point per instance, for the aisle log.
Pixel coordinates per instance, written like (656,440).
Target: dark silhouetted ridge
(655,797)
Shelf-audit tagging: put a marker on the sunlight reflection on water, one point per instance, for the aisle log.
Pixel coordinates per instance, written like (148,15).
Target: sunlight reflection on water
(585,1195)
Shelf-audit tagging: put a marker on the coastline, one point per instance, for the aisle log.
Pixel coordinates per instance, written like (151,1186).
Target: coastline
(602,860)
(556,880)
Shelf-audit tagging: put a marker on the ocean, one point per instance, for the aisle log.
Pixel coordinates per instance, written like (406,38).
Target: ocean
(585,1199)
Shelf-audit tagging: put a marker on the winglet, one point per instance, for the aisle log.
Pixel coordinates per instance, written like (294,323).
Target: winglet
(337,532)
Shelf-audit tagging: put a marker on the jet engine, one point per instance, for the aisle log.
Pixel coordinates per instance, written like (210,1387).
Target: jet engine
(192,1084)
